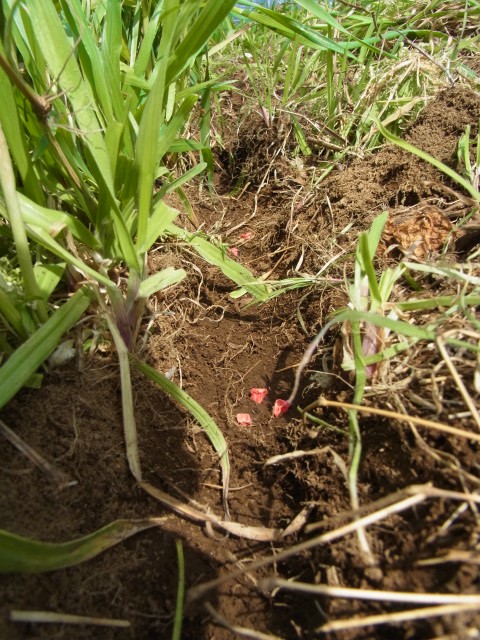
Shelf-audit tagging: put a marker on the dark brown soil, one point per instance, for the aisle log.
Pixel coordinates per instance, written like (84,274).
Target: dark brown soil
(218,349)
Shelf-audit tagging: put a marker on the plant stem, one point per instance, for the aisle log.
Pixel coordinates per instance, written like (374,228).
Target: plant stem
(177,627)
(129,426)
(7,182)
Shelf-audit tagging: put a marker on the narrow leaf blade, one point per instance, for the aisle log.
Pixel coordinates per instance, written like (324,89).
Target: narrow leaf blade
(25,555)
(24,362)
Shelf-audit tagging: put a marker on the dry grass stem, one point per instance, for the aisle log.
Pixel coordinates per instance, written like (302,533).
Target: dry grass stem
(241,631)
(298,523)
(459,382)
(50,617)
(466,635)
(422,422)
(401,616)
(455,555)
(260,534)
(60,477)
(272,583)
(292,455)
(442,457)
(330,536)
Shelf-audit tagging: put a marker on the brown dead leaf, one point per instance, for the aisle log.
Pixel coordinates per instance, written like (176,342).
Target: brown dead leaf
(418,231)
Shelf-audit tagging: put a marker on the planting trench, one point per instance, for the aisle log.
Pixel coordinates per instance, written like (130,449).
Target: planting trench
(218,349)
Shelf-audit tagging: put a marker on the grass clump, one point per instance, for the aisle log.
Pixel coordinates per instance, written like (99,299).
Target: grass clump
(95,97)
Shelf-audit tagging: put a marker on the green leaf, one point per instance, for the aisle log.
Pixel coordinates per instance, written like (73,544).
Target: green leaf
(216,256)
(292,30)
(52,222)
(169,133)
(211,16)
(161,217)
(438,302)
(165,278)
(203,418)
(24,555)
(11,314)
(16,138)
(326,16)
(300,136)
(48,276)
(17,227)
(438,164)
(398,326)
(168,187)
(24,362)
(147,147)
(186,145)
(146,46)
(111,52)
(58,51)
(89,55)
(43,238)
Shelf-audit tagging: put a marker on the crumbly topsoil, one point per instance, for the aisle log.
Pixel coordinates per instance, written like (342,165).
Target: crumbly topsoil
(218,349)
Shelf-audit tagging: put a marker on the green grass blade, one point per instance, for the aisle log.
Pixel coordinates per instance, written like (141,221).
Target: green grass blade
(58,52)
(11,314)
(128,414)
(150,125)
(326,16)
(353,316)
(367,247)
(160,280)
(355,438)
(177,625)
(17,226)
(292,30)
(439,301)
(146,47)
(397,326)
(178,121)
(23,363)
(438,164)
(203,418)
(24,555)
(179,182)
(125,248)
(161,217)
(216,256)
(111,53)
(446,272)
(48,276)
(23,35)
(89,55)
(44,239)
(365,258)
(16,139)
(53,221)
(211,16)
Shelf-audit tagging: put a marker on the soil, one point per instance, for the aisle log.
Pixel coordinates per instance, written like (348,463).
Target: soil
(218,348)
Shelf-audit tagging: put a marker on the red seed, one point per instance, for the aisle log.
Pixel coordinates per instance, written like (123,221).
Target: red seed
(244,419)
(258,395)
(280,407)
